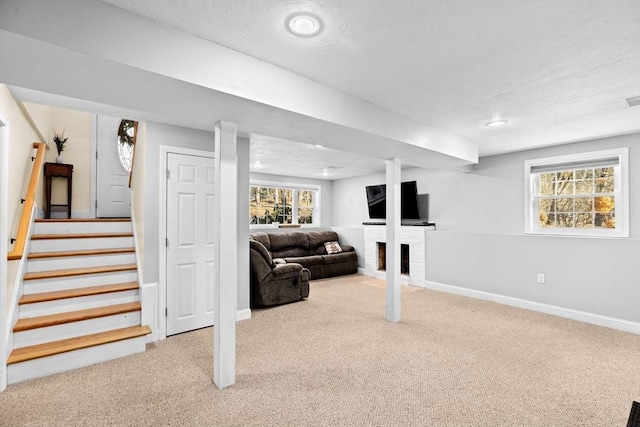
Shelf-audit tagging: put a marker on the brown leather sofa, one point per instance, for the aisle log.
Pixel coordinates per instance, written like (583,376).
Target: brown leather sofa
(304,249)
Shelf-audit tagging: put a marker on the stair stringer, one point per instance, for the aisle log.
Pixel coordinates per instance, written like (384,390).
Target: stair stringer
(13,313)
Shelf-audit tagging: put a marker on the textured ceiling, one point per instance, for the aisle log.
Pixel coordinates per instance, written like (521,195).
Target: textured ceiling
(281,157)
(558,71)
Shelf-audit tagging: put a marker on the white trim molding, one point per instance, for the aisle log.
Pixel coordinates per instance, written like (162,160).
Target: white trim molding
(582,316)
(615,157)
(243,314)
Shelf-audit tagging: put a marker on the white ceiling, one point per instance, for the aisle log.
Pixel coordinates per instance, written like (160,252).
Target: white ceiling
(558,71)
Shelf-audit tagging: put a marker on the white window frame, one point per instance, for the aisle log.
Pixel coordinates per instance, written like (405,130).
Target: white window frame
(531,222)
(294,209)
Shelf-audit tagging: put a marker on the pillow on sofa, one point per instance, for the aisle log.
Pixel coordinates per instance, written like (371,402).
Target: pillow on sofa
(332,248)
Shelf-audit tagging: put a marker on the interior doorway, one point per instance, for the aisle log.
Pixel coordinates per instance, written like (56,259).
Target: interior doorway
(190,202)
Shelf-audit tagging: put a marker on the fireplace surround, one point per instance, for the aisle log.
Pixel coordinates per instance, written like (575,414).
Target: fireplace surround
(412,253)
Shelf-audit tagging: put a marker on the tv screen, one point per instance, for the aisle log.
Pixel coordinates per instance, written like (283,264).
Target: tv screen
(377,201)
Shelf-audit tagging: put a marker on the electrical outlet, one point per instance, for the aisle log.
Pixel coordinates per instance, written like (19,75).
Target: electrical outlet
(540,278)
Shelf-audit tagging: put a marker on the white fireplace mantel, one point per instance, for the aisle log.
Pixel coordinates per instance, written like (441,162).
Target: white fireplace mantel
(413,236)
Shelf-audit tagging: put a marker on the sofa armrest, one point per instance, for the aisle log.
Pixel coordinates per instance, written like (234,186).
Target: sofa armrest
(347,248)
(287,270)
(277,261)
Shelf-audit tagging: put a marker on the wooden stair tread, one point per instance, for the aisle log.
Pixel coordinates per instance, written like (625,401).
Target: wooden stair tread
(84,220)
(49,349)
(74,316)
(79,236)
(50,274)
(84,252)
(74,293)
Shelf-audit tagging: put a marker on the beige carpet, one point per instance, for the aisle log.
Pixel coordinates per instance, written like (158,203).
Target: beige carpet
(334,361)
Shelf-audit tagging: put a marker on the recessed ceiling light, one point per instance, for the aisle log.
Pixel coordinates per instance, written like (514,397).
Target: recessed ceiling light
(304,24)
(318,146)
(497,123)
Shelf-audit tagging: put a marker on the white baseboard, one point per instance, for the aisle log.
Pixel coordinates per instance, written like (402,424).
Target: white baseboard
(582,316)
(361,270)
(151,312)
(243,314)
(149,302)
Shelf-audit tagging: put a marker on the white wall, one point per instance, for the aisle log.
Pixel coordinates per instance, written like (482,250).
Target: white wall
(77,151)
(21,137)
(160,134)
(174,136)
(480,244)
(76,126)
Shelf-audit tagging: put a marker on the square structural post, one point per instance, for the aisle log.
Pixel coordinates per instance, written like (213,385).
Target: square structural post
(226,260)
(393,240)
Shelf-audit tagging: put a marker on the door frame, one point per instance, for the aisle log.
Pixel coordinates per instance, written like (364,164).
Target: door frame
(4,176)
(165,150)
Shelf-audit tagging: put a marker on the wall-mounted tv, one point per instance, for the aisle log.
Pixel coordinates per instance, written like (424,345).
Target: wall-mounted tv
(377,201)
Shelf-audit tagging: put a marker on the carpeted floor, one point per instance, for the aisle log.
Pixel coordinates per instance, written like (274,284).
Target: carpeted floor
(334,361)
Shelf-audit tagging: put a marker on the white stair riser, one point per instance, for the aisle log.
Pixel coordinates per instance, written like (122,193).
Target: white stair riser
(48,245)
(75,329)
(75,282)
(78,303)
(62,362)
(59,263)
(81,227)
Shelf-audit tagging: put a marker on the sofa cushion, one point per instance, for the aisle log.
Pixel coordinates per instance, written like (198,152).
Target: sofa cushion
(259,247)
(291,252)
(262,238)
(332,248)
(305,260)
(318,238)
(283,241)
(339,258)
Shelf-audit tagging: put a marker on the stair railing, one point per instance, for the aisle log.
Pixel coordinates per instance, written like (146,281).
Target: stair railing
(27,204)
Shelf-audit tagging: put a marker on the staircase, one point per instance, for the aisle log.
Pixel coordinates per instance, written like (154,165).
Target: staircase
(81,301)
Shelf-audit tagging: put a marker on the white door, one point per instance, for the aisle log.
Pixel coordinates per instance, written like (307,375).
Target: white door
(113,196)
(190,250)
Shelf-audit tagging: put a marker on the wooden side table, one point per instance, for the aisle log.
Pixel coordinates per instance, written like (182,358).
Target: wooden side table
(56,170)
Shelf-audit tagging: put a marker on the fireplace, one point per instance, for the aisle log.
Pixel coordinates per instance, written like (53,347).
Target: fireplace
(404,258)
(412,253)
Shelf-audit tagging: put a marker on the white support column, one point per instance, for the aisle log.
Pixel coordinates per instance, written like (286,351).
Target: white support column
(244,309)
(393,240)
(226,261)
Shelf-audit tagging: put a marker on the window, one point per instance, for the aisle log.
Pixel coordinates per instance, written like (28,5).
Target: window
(578,195)
(288,204)
(126,142)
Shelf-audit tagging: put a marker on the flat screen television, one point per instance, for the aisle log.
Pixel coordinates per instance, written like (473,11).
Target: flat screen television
(377,201)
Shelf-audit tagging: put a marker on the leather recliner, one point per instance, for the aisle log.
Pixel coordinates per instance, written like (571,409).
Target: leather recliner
(275,282)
